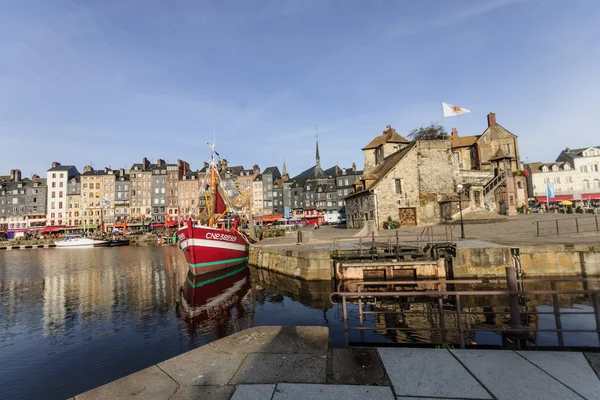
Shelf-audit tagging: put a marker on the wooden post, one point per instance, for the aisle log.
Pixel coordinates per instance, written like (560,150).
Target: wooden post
(557,320)
(459,322)
(597,224)
(512,286)
(557,228)
(577,224)
(538,228)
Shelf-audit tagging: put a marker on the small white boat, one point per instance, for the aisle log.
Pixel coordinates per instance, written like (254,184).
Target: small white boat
(78,241)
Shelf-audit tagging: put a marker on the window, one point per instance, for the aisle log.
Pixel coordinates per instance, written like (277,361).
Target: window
(567,167)
(546,180)
(53,195)
(596,183)
(398,186)
(544,169)
(53,184)
(595,167)
(60,194)
(60,184)
(557,179)
(62,175)
(507,150)
(554,168)
(54,176)
(583,168)
(586,184)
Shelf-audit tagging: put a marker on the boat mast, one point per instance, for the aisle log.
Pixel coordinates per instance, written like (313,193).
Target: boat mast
(212,206)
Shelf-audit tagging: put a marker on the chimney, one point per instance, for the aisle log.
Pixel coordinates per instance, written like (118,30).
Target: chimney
(160,163)
(145,164)
(337,170)
(121,172)
(354,167)
(106,170)
(35,177)
(17,175)
(492,119)
(12,175)
(454,132)
(568,150)
(87,168)
(255,169)
(55,164)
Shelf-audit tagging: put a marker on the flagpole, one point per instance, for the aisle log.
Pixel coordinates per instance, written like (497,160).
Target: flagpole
(547,197)
(442,111)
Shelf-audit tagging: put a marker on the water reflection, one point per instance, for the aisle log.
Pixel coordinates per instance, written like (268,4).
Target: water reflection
(419,315)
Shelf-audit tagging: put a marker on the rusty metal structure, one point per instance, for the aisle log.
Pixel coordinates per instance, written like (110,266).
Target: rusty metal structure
(453,321)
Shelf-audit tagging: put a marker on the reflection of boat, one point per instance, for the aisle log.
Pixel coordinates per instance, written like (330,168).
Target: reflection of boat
(207,300)
(211,247)
(112,243)
(78,241)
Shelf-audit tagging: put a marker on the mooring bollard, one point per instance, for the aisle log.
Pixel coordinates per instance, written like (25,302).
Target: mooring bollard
(513,299)
(299,237)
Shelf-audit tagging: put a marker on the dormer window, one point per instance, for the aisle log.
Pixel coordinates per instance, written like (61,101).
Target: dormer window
(544,169)
(554,168)
(567,167)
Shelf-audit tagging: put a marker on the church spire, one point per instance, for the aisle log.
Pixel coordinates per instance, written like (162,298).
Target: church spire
(284,171)
(318,159)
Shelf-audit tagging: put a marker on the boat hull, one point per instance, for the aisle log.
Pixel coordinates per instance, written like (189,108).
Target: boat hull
(209,249)
(79,243)
(112,243)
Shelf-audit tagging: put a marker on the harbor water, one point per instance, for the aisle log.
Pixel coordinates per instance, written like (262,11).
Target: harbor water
(74,319)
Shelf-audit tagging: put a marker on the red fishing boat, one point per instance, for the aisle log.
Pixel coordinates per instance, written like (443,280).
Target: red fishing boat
(212,246)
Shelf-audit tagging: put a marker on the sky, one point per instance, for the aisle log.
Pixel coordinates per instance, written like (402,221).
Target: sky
(110,82)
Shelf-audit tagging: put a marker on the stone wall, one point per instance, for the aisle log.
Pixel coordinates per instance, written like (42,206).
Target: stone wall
(311,265)
(369,160)
(356,208)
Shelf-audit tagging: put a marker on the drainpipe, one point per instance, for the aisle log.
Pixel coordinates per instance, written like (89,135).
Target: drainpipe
(376,208)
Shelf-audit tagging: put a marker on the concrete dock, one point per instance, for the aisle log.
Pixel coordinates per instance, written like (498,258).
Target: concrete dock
(297,363)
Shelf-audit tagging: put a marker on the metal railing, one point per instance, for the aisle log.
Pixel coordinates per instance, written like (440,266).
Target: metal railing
(495,182)
(515,312)
(567,226)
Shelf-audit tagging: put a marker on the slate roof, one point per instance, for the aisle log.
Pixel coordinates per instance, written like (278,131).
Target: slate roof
(463,141)
(389,135)
(271,170)
(573,153)
(388,163)
(258,178)
(536,167)
(62,168)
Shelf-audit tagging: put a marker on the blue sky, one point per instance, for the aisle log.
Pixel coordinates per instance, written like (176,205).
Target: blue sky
(114,81)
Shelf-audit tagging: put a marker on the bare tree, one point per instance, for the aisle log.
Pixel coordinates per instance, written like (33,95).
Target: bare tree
(431,132)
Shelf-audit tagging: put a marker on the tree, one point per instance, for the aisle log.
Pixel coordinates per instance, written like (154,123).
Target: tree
(431,132)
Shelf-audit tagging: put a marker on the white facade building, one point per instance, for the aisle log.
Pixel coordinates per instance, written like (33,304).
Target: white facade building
(575,175)
(257,196)
(56,202)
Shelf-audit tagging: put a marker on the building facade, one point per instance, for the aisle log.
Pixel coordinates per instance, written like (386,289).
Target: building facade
(22,203)
(98,197)
(257,196)
(574,176)
(74,200)
(122,196)
(189,188)
(57,178)
(159,192)
(140,177)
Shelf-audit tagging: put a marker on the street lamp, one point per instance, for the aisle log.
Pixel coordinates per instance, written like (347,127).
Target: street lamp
(459,189)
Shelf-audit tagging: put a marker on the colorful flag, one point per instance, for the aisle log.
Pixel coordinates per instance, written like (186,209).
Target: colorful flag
(453,111)
(106,202)
(550,190)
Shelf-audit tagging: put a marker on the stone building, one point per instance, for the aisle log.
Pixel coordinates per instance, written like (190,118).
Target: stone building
(257,195)
(159,191)
(189,188)
(408,185)
(269,176)
(75,204)
(122,193)
(175,173)
(98,195)
(22,203)
(245,182)
(490,169)
(56,204)
(140,176)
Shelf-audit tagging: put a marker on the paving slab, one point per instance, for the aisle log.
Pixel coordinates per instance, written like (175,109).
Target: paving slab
(350,368)
(277,339)
(254,392)
(291,391)
(570,368)
(509,376)
(274,368)
(429,373)
(203,366)
(149,383)
(594,359)
(203,392)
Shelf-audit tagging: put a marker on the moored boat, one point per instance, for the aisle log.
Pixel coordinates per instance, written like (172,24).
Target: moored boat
(210,247)
(78,241)
(113,243)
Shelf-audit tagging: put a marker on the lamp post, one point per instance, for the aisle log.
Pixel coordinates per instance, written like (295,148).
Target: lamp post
(459,189)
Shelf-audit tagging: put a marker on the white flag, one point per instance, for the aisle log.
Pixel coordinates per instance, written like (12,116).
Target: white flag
(452,111)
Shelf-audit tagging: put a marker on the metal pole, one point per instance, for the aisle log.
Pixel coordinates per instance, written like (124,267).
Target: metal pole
(462,227)
(577,224)
(597,228)
(345,311)
(557,227)
(360,317)
(538,227)
(512,286)
(442,321)
(461,337)
(557,320)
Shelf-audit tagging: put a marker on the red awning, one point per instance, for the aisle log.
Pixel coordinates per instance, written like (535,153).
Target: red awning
(556,199)
(270,218)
